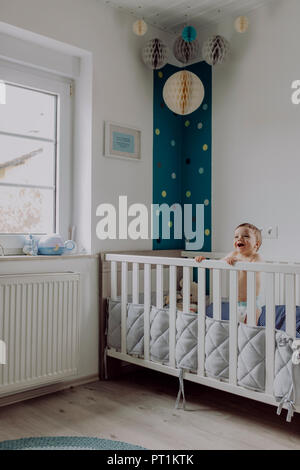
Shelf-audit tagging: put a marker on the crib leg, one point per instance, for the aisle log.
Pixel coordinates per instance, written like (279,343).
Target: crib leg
(116,369)
(113,368)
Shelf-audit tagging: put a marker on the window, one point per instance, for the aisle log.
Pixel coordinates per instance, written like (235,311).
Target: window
(28,139)
(35,167)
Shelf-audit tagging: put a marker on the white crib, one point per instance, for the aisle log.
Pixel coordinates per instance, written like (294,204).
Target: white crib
(282,283)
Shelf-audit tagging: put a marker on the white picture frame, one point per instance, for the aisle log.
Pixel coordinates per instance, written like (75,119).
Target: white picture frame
(122,141)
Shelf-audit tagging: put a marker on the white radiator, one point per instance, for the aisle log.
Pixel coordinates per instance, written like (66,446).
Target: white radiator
(39,325)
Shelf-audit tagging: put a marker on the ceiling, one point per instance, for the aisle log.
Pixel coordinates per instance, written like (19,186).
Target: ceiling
(172,15)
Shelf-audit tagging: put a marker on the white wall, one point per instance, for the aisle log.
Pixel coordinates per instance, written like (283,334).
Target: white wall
(122,92)
(256,162)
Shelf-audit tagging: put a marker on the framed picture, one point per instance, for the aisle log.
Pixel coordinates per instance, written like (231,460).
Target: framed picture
(122,141)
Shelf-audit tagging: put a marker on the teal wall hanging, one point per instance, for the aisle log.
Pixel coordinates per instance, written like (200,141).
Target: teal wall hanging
(182,156)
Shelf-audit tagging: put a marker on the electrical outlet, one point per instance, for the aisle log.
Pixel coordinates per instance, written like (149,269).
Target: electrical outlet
(270,232)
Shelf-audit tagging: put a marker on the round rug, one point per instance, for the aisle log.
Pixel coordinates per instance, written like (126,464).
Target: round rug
(66,443)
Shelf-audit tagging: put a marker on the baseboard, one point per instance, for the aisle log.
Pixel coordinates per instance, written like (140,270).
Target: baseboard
(40,391)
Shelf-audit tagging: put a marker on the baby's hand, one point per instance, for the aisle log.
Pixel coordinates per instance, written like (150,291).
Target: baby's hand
(199,258)
(231,260)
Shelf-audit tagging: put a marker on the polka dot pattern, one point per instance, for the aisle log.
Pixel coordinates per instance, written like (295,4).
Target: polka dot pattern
(182,158)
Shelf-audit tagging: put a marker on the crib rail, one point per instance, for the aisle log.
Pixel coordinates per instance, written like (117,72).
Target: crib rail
(278,277)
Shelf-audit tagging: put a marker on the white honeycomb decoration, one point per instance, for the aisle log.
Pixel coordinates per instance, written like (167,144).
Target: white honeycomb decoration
(215,50)
(183,92)
(155,54)
(186,51)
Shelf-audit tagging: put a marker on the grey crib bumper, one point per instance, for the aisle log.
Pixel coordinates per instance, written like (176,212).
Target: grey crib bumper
(251,347)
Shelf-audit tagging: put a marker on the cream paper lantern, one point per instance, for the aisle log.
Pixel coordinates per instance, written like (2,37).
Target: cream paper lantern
(155,54)
(241,24)
(215,50)
(139,27)
(183,92)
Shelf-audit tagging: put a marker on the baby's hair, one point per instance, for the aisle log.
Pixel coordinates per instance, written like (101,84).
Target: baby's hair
(256,231)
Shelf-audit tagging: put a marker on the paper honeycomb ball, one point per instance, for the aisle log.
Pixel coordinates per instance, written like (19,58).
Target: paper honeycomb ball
(185,51)
(215,50)
(183,92)
(241,24)
(189,33)
(139,27)
(155,54)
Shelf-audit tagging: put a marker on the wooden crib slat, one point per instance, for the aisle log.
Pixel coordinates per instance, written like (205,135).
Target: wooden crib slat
(172,314)
(186,289)
(113,280)
(233,327)
(270,330)
(217,293)
(297,289)
(135,283)
(277,289)
(210,273)
(201,320)
(224,284)
(290,305)
(124,295)
(159,286)
(251,298)
(282,298)
(147,304)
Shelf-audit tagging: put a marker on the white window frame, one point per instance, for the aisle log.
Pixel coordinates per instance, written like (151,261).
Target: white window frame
(60,86)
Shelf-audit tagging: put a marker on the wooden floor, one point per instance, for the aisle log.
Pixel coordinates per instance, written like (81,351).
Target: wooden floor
(139,409)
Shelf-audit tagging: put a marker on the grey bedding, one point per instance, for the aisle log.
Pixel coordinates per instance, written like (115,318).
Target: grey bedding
(251,347)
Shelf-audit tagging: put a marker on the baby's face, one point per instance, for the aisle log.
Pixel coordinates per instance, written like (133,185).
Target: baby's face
(245,241)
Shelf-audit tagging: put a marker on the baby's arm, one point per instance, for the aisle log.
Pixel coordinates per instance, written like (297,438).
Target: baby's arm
(199,258)
(231,258)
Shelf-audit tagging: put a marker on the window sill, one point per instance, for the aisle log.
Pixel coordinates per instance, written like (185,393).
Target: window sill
(45,257)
